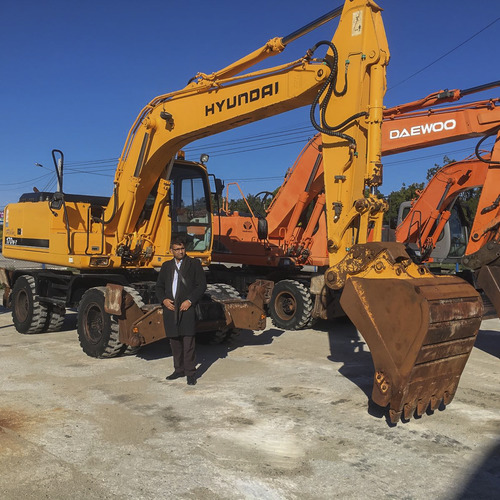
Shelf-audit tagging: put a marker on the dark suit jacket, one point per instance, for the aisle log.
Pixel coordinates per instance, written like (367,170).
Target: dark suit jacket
(194,286)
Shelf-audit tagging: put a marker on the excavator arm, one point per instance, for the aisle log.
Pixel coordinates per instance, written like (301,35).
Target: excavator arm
(410,376)
(405,127)
(430,127)
(210,104)
(431,210)
(198,112)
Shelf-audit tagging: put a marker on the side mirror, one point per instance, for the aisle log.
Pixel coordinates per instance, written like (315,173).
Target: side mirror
(219,186)
(57,201)
(58,157)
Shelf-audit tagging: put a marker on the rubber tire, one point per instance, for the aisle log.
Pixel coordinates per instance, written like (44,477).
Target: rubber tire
(55,318)
(97,330)
(129,350)
(229,290)
(220,290)
(28,314)
(291,305)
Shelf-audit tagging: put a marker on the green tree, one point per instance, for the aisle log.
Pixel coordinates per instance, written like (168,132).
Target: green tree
(468,200)
(432,171)
(257,202)
(395,198)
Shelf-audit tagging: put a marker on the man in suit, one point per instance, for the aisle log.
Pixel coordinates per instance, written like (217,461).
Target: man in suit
(181,284)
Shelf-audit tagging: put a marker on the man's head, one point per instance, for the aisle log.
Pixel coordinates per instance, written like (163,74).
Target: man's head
(178,247)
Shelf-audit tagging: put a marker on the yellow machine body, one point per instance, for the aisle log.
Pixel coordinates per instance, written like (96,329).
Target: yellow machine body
(73,234)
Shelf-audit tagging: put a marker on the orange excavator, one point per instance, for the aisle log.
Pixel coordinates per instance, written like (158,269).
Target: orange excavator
(289,244)
(429,213)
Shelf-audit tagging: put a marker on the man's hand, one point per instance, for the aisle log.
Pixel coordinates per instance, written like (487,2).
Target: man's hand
(185,305)
(169,304)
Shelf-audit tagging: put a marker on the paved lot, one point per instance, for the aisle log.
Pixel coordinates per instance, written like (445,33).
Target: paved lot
(275,415)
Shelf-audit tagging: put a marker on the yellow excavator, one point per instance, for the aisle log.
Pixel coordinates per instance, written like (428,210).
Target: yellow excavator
(420,328)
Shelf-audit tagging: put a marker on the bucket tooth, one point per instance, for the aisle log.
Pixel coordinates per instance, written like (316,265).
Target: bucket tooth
(448,398)
(420,332)
(435,403)
(408,411)
(395,416)
(422,406)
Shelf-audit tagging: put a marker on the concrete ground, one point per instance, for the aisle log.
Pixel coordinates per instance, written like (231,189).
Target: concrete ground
(275,415)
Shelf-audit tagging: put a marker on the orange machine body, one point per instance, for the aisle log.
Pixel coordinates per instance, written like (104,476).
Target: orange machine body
(296,226)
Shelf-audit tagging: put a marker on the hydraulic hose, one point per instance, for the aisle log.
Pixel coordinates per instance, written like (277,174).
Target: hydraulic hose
(478,145)
(115,206)
(330,87)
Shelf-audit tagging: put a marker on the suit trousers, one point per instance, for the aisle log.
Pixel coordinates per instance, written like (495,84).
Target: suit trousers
(184,354)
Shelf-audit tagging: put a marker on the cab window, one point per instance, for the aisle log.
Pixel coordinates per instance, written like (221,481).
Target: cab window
(190,207)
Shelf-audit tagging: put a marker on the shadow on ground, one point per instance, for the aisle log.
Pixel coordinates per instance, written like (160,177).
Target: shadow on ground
(489,342)
(207,355)
(484,481)
(348,347)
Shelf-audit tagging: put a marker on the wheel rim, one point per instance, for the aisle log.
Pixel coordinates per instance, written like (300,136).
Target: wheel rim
(94,323)
(286,305)
(22,305)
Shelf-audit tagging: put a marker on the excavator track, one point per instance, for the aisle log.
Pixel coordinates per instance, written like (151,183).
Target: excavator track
(420,339)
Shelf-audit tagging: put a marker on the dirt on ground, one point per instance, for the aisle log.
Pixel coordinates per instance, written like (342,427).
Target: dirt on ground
(275,415)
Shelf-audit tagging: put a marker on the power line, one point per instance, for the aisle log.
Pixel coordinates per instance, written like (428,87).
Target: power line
(253,138)
(426,157)
(101,174)
(90,162)
(266,141)
(255,179)
(22,183)
(252,179)
(233,151)
(446,54)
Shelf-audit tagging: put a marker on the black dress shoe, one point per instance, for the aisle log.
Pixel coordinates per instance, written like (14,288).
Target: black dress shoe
(191,380)
(175,375)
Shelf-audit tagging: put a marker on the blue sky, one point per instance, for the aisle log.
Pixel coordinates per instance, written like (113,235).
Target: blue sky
(76,74)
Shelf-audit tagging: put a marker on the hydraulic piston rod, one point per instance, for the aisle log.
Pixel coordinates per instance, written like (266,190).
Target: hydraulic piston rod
(312,25)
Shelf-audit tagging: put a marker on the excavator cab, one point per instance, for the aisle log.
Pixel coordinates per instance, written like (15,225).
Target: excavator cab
(450,245)
(190,206)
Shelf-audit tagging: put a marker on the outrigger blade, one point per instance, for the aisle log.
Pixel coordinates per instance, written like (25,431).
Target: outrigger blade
(420,332)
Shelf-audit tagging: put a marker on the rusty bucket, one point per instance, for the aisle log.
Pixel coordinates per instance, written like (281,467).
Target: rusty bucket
(420,332)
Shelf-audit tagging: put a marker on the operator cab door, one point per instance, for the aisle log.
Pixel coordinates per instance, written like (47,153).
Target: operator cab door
(452,241)
(190,198)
